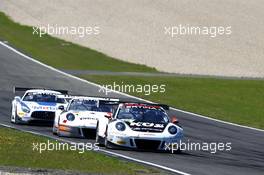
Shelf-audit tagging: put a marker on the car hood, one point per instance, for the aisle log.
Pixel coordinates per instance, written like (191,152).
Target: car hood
(88,115)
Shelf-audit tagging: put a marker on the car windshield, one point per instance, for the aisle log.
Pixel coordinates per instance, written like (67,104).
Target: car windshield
(88,105)
(143,114)
(61,100)
(41,97)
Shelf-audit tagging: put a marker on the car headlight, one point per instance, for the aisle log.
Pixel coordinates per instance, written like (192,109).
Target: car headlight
(70,117)
(24,108)
(120,126)
(172,130)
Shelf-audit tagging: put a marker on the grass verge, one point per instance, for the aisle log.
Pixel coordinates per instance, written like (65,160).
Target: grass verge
(16,150)
(59,53)
(237,101)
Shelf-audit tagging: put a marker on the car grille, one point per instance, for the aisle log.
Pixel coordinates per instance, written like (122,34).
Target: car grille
(89,133)
(43,115)
(147,144)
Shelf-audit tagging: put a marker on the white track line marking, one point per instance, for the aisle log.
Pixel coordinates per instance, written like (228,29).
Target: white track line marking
(91,83)
(147,163)
(101,150)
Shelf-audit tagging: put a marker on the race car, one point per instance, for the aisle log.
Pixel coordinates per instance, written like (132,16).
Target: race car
(37,104)
(80,117)
(139,126)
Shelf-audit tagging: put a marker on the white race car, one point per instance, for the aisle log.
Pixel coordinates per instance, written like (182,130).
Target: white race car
(139,126)
(36,105)
(80,117)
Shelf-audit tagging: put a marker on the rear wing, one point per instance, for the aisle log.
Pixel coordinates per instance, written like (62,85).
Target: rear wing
(100,98)
(23,89)
(164,106)
(110,101)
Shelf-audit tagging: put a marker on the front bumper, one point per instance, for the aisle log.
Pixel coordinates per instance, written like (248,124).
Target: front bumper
(38,116)
(78,132)
(141,143)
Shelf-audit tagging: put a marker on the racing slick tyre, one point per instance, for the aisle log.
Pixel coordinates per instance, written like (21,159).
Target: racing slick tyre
(107,144)
(14,118)
(58,133)
(98,139)
(54,130)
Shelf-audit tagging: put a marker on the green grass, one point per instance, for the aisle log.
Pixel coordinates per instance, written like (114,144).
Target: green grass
(16,150)
(59,53)
(238,101)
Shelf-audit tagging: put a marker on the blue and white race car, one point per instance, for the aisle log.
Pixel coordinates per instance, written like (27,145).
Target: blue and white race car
(139,126)
(37,105)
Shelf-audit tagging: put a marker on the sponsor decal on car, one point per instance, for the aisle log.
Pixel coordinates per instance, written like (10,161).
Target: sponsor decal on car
(133,105)
(143,126)
(44,108)
(21,114)
(87,118)
(147,125)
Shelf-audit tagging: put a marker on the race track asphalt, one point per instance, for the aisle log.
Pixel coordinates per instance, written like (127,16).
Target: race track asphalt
(245,157)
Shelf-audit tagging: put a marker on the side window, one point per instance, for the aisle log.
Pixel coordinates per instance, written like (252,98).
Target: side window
(61,100)
(28,97)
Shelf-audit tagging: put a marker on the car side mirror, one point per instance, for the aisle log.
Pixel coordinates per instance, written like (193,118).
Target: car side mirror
(17,98)
(109,115)
(61,108)
(174,120)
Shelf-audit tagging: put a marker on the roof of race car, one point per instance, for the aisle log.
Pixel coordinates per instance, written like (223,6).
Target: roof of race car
(43,91)
(93,98)
(141,105)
